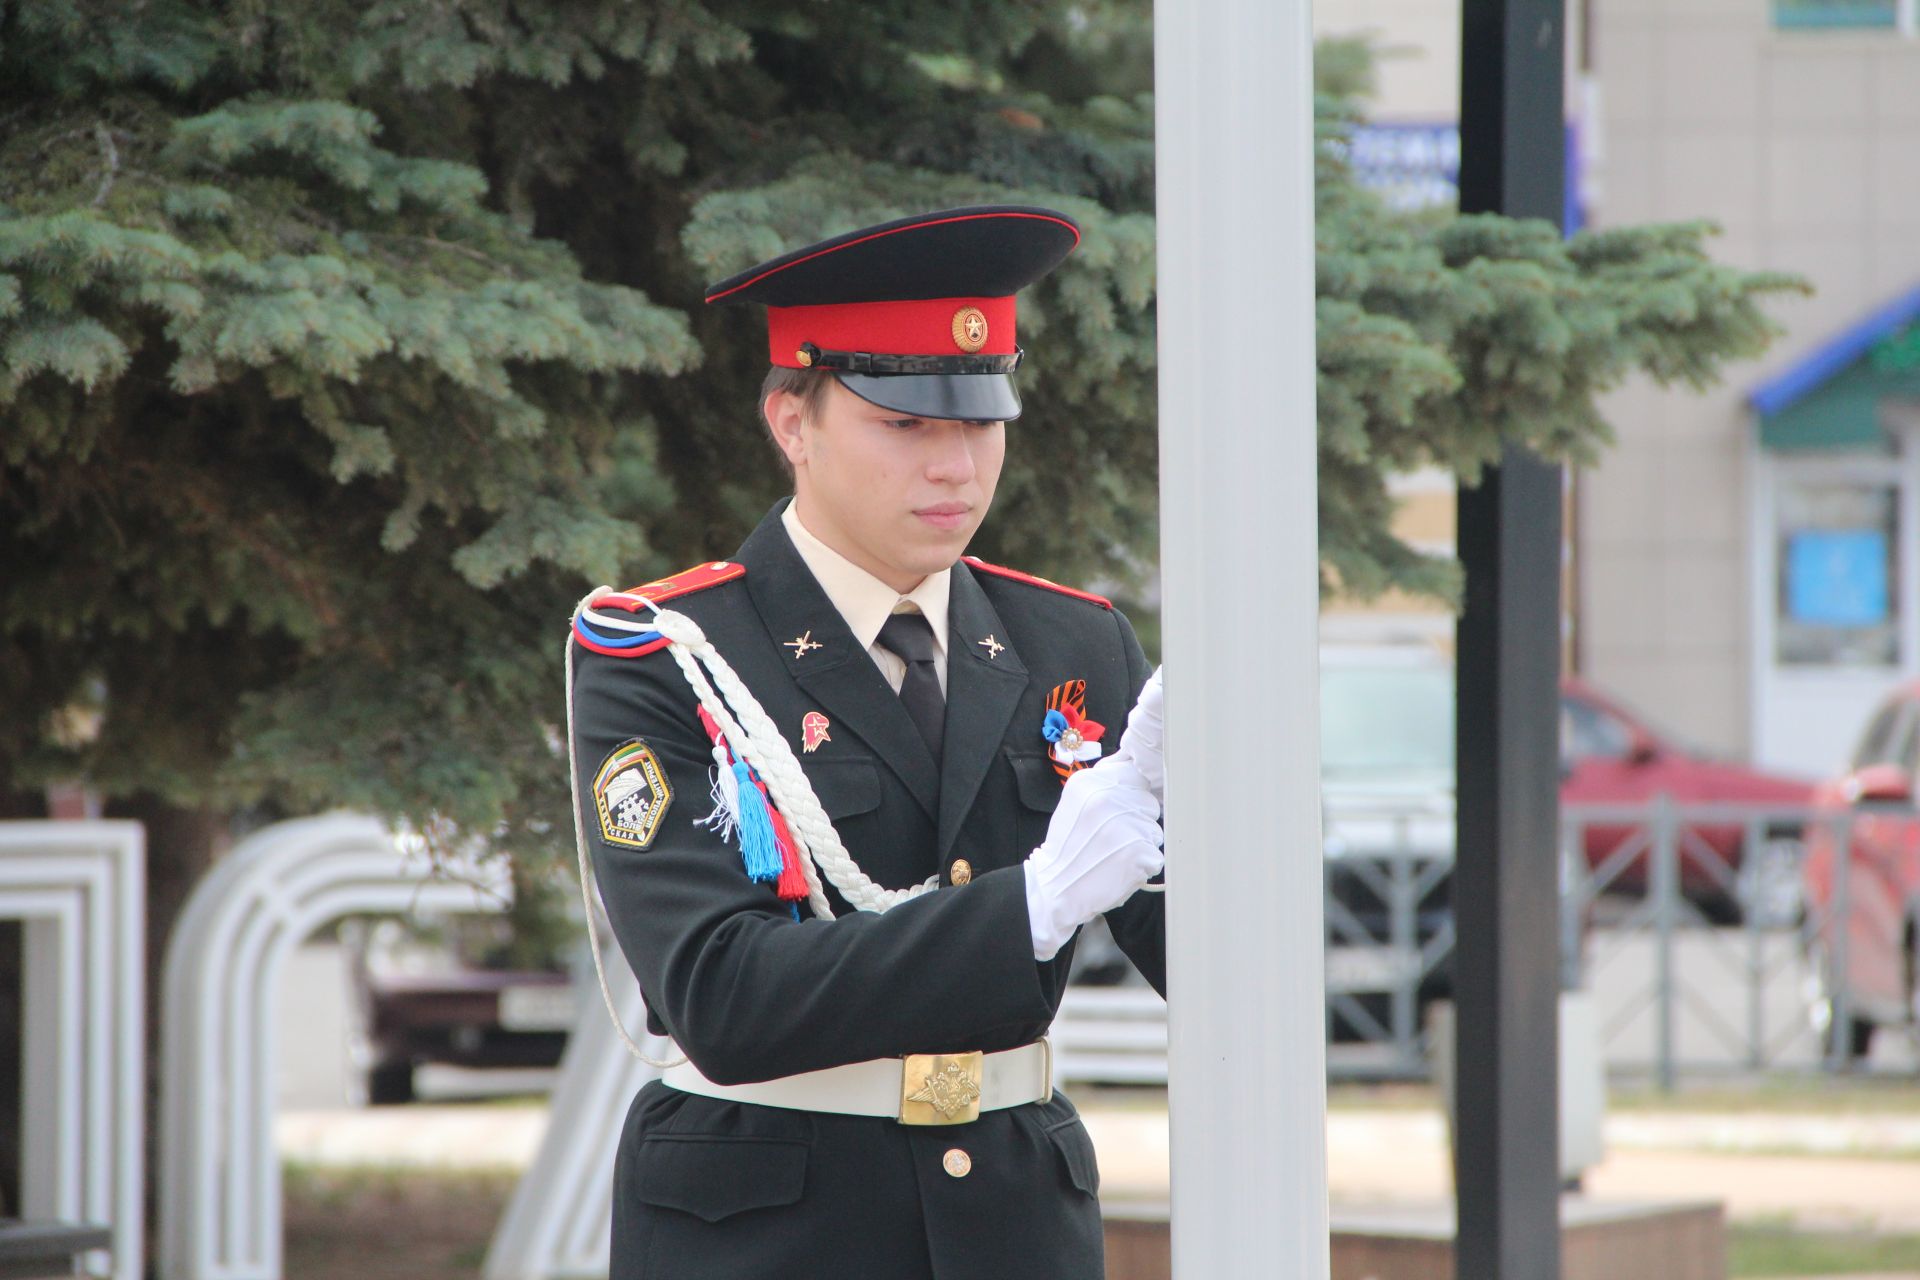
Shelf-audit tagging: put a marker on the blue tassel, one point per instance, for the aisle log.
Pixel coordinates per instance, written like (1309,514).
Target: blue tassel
(758,849)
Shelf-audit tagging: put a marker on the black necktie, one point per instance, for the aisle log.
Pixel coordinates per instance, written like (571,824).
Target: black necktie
(910,636)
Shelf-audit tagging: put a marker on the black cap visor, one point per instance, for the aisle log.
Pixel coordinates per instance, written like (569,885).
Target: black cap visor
(965,397)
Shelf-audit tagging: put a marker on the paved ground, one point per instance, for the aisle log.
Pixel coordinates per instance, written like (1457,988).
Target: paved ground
(1391,1158)
(1844,1170)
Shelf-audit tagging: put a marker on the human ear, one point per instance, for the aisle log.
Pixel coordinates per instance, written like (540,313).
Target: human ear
(786,416)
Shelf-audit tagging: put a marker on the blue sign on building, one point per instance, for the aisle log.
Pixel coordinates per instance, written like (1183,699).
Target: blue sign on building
(1837,577)
(1411,166)
(1417,166)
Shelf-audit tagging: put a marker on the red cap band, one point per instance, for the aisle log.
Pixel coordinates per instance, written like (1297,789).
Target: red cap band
(923,327)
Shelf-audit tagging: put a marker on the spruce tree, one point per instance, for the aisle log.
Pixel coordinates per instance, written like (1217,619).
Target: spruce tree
(344,346)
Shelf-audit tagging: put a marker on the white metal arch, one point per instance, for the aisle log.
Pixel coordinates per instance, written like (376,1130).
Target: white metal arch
(220,1175)
(79,888)
(560,1220)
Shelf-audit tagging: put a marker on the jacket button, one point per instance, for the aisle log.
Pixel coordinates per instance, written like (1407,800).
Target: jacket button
(962,871)
(957,1163)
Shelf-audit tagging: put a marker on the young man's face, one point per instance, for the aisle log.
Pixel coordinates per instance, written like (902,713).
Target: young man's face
(899,496)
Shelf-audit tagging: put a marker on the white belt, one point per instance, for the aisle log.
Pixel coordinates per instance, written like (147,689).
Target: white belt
(921,1088)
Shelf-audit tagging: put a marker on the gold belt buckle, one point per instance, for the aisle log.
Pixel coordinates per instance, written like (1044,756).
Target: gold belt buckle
(940,1088)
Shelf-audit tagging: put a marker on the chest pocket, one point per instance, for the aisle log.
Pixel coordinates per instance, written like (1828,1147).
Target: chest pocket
(1035,780)
(844,787)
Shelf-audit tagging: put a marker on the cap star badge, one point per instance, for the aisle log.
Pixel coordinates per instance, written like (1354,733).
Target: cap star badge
(969,329)
(631,795)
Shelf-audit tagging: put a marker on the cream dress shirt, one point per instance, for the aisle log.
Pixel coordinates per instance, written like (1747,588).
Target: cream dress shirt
(865,602)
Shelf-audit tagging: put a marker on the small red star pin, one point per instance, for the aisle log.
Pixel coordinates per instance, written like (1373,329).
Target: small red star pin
(813,731)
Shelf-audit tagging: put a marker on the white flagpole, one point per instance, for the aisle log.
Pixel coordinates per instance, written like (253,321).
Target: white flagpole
(1239,564)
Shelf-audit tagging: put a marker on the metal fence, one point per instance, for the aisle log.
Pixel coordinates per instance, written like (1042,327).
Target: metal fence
(1687,922)
(1389,934)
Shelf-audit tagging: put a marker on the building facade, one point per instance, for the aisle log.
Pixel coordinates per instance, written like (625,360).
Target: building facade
(1746,561)
(1750,574)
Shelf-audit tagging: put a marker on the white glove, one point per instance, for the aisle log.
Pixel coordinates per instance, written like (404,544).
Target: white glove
(1102,845)
(1145,731)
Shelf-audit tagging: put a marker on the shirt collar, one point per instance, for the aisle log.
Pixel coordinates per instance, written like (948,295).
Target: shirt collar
(863,600)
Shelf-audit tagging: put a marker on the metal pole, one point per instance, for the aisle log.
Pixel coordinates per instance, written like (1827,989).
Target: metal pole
(1403,940)
(1573,903)
(1839,978)
(1754,914)
(1247,1057)
(1505,885)
(1665,889)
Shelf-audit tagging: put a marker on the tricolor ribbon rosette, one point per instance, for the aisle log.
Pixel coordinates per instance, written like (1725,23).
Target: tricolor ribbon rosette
(1073,739)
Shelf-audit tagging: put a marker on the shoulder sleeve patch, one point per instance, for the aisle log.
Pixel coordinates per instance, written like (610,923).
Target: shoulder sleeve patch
(1032,580)
(617,638)
(631,795)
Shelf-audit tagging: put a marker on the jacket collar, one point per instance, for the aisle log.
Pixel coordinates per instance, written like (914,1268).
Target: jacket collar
(985,676)
(828,662)
(862,600)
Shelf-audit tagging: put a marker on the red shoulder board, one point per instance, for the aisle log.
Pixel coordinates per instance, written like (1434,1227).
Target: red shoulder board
(1002,571)
(684,583)
(619,644)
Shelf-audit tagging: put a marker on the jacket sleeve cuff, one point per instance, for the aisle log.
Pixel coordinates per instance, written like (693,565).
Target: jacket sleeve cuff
(1009,967)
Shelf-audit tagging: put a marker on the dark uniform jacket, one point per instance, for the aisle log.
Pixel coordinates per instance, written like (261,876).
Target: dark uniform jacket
(713,1188)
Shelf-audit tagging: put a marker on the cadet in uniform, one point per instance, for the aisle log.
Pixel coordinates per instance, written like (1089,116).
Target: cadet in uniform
(867,1092)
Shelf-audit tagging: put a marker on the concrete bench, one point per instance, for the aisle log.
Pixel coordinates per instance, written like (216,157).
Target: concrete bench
(1678,1240)
(1110,1035)
(32,1250)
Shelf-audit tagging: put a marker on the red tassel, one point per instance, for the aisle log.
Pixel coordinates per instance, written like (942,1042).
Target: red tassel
(792,886)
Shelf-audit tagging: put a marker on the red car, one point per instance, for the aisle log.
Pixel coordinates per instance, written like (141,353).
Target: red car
(1387,741)
(1612,756)
(1880,917)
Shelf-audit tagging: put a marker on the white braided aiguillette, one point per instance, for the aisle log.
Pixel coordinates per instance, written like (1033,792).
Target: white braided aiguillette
(756,739)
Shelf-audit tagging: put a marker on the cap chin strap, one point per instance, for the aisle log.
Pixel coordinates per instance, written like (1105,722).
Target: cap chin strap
(812,357)
(752,737)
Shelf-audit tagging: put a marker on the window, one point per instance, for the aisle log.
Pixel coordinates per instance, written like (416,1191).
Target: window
(1791,15)
(1877,743)
(1588,732)
(1386,723)
(1837,551)
(1902,751)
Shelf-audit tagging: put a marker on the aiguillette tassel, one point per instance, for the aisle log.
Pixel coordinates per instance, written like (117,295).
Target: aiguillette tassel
(759,848)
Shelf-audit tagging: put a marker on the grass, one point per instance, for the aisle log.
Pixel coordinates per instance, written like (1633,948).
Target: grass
(1820,1094)
(1775,1249)
(372,1223)
(1797,1095)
